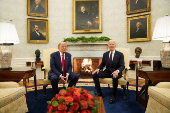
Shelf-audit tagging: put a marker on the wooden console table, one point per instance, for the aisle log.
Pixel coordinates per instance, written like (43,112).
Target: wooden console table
(30,63)
(145,62)
(155,75)
(18,73)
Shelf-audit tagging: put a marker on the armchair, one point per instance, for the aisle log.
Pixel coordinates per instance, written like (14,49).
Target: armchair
(159,98)
(123,81)
(46,68)
(12,98)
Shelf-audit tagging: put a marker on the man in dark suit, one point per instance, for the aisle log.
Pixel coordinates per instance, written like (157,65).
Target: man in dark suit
(139,32)
(114,62)
(36,35)
(137,5)
(84,20)
(61,68)
(38,8)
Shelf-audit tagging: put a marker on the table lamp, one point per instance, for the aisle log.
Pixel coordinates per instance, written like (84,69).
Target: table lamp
(162,32)
(8,37)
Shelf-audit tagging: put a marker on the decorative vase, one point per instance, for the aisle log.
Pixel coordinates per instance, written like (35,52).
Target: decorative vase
(5,56)
(165,55)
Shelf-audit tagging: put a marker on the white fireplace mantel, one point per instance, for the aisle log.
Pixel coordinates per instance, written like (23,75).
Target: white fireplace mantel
(87,50)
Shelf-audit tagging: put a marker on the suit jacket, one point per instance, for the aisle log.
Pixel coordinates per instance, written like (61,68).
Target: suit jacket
(141,33)
(34,36)
(56,64)
(39,10)
(117,63)
(140,5)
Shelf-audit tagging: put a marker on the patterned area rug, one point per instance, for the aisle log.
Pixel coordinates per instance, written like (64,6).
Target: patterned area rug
(79,84)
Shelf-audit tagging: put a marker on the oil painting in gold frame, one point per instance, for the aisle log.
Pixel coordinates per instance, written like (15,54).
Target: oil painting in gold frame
(139,28)
(38,8)
(87,16)
(137,6)
(37,30)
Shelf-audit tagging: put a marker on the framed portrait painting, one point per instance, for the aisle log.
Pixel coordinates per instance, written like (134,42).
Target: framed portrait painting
(37,8)
(37,30)
(139,28)
(137,6)
(87,16)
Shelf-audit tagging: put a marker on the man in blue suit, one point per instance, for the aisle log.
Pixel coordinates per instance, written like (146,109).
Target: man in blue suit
(61,68)
(114,62)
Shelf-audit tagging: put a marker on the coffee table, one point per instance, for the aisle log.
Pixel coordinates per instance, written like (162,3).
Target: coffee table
(101,104)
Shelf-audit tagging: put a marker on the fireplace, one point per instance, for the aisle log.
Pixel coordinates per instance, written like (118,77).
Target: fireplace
(85,66)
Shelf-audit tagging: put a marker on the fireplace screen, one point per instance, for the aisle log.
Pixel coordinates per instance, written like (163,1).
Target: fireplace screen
(85,66)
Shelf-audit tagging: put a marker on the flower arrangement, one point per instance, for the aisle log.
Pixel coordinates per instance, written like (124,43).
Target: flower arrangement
(73,100)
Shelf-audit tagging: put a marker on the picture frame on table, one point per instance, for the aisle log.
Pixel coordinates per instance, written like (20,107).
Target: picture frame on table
(87,16)
(137,6)
(139,28)
(38,8)
(37,30)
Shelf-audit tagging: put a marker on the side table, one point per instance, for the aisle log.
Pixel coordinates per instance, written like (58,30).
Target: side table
(34,64)
(18,73)
(156,75)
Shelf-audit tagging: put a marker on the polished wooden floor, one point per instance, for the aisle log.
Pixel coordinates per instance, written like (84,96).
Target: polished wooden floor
(141,82)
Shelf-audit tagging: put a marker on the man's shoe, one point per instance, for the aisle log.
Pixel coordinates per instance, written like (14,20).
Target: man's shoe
(98,94)
(112,100)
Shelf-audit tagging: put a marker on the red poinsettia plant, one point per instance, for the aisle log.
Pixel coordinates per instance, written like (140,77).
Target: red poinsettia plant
(73,100)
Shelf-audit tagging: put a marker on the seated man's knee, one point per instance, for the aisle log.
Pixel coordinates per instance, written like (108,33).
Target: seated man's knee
(95,75)
(54,79)
(76,76)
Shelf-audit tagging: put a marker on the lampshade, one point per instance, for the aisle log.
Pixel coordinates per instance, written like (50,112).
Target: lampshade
(8,37)
(8,34)
(162,29)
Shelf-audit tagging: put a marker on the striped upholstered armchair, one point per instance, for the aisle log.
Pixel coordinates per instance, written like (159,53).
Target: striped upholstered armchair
(159,98)
(12,98)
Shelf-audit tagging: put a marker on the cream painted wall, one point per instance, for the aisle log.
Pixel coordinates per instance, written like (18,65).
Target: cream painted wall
(60,25)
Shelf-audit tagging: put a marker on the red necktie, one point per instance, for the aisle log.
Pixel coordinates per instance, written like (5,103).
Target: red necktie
(63,64)
(110,59)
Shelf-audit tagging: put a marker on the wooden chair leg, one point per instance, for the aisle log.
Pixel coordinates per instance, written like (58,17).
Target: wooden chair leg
(127,86)
(44,88)
(124,90)
(109,86)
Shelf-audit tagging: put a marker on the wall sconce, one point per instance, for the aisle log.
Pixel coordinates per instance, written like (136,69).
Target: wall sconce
(162,32)
(8,37)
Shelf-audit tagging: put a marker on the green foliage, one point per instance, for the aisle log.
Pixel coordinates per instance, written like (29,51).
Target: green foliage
(55,103)
(95,102)
(67,90)
(71,104)
(48,102)
(90,92)
(61,100)
(84,39)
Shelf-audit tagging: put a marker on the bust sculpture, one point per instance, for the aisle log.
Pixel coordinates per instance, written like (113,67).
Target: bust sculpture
(138,51)
(37,52)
